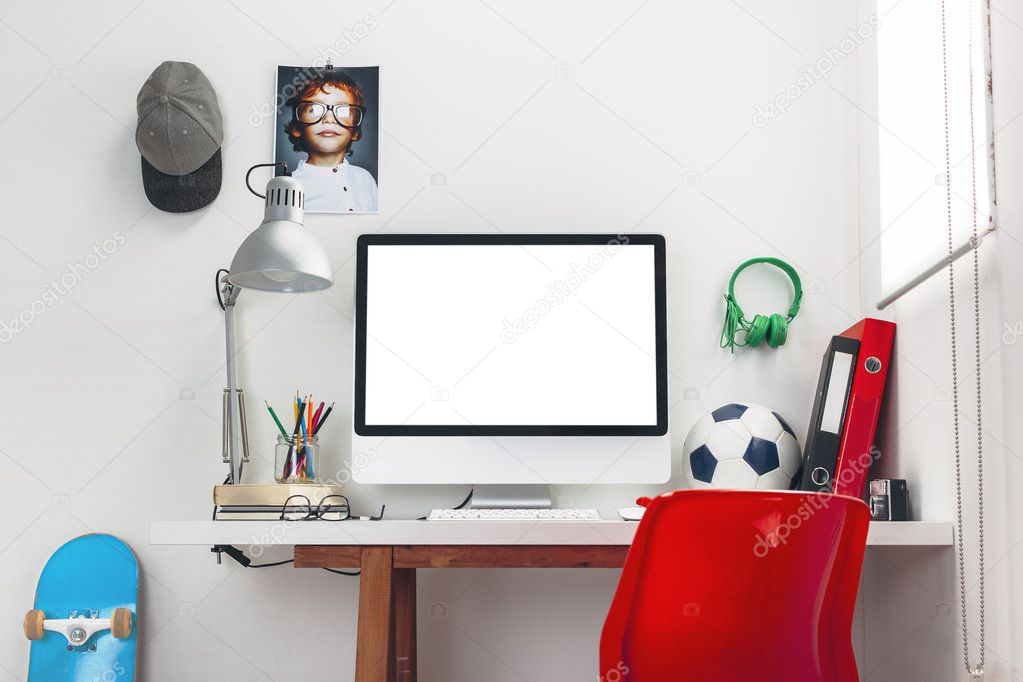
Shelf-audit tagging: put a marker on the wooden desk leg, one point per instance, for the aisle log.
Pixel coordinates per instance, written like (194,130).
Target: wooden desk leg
(373,655)
(405,624)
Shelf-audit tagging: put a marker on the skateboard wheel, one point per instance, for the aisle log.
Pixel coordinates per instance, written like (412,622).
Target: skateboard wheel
(120,623)
(34,624)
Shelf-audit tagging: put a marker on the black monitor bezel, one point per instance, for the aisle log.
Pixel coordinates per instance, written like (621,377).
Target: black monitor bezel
(661,352)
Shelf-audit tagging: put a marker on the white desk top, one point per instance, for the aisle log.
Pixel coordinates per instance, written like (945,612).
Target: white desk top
(398,532)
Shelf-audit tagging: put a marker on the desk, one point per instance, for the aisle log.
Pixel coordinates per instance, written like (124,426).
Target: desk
(389,552)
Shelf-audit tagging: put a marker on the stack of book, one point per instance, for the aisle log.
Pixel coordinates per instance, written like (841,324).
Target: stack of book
(267,502)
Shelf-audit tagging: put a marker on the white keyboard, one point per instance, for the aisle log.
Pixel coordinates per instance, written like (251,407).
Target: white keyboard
(514,515)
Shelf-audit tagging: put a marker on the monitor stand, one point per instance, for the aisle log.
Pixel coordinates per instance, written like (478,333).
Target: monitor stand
(525,496)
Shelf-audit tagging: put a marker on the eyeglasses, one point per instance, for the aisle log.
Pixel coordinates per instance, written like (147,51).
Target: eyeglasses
(302,509)
(347,115)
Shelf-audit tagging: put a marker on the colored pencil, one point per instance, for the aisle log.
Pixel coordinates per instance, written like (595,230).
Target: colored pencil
(319,424)
(304,460)
(289,471)
(305,464)
(309,437)
(276,420)
(300,453)
(316,416)
(309,452)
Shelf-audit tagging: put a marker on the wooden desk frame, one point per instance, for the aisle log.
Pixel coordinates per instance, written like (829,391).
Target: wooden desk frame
(386,644)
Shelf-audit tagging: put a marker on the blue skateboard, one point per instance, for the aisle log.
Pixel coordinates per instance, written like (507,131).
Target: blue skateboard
(82,626)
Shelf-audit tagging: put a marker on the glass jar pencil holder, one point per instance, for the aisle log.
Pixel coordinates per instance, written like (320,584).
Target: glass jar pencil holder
(296,459)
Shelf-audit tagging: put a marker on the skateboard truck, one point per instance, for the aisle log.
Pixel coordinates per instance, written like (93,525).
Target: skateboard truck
(78,629)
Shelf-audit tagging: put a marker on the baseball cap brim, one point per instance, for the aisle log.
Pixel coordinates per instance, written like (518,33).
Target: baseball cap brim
(182,193)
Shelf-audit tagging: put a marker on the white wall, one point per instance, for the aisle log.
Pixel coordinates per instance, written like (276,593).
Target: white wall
(562,117)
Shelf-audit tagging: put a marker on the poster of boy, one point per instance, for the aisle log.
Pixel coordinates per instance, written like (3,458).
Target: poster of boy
(327,133)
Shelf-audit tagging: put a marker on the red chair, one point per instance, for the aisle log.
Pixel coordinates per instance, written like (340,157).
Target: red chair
(738,585)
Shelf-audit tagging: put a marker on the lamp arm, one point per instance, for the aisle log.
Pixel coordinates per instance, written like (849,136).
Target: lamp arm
(234,425)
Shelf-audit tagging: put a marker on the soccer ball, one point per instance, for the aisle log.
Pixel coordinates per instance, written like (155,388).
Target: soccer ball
(741,446)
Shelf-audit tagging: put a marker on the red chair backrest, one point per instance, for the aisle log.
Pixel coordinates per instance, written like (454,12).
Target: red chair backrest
(738,585)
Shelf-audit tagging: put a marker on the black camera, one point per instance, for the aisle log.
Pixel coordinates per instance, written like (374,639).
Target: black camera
(889,500)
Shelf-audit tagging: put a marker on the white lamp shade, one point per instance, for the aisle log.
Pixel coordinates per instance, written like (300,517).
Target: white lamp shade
(281,255)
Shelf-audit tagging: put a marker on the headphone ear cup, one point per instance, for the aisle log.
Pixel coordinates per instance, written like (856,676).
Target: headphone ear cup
(777,330)
(757,331)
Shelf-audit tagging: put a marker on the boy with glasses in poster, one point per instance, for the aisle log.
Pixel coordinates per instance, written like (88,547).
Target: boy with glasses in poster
(326,118)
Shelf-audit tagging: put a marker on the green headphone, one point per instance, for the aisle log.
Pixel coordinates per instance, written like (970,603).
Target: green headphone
(772,328)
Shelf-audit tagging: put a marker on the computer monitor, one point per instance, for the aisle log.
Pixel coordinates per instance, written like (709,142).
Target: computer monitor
(510,359)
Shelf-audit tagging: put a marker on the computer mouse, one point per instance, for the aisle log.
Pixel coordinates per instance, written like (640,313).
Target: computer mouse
(631,513)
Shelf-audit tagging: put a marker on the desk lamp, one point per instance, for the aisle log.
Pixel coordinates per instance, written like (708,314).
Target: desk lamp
(280,255)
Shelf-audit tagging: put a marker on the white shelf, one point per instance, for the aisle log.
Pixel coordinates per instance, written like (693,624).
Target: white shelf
(397,532)
(910,533)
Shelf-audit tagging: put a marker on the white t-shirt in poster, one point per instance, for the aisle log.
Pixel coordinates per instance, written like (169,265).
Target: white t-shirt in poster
(340,189)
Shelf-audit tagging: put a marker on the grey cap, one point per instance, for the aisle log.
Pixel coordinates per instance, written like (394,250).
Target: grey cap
(179,134)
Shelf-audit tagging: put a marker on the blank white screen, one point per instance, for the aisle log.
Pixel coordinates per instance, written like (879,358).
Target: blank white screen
(510,335)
